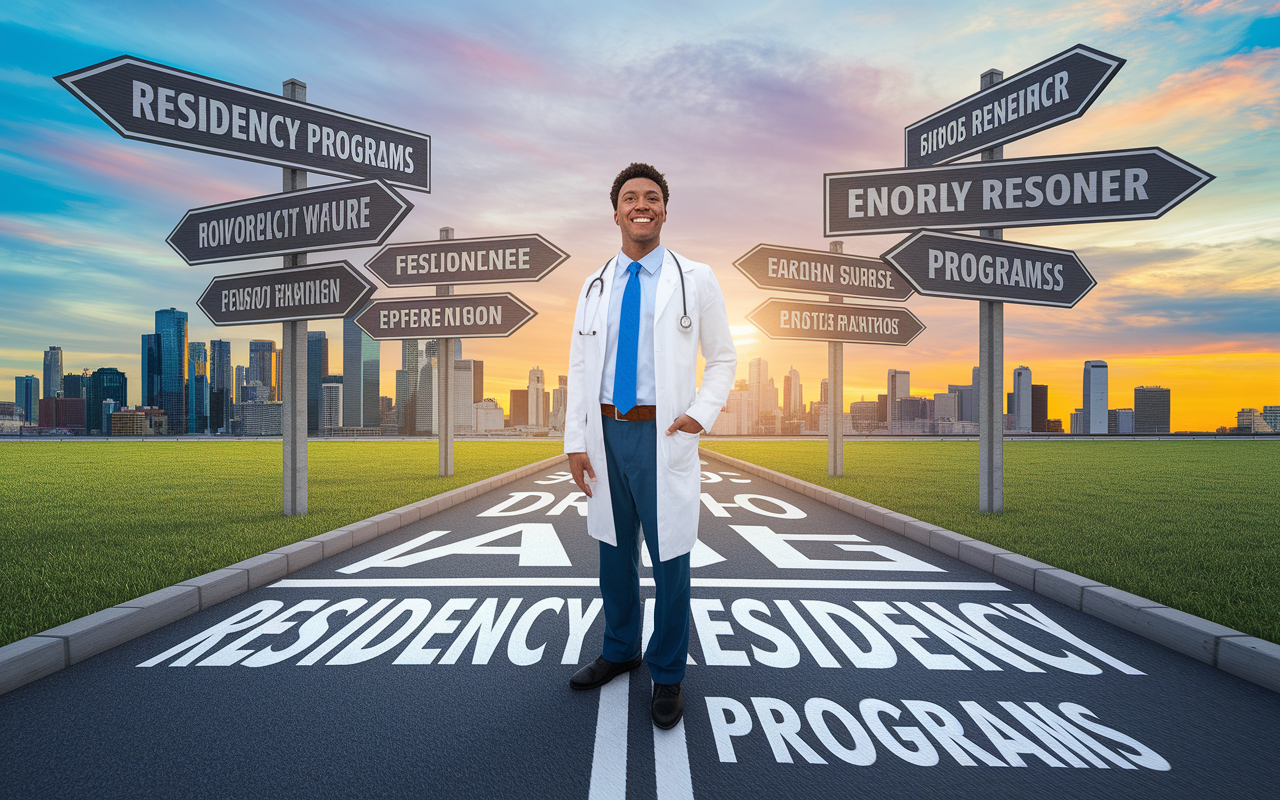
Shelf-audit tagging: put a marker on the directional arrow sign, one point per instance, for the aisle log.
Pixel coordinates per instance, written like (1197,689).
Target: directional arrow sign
(463,316)
(1052,92)
(159,104)
(318,291)
(497,259)
(1053,190)
(358,214)
(952,265)
(782,318)
(791,268)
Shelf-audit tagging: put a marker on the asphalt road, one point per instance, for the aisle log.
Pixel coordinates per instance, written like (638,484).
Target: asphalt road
(828,657)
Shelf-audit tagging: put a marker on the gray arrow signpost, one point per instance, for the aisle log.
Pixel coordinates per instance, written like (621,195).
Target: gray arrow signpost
(1051,190)
(953,265)
(159,104)
(1057,90)
(155,103)
(460,316)
(833,273)
(496,259)
(345,215)
(813,321)
(993,194)
(316,291)
(837,275)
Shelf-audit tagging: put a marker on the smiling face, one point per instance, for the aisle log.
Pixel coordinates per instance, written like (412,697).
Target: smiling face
(639,215)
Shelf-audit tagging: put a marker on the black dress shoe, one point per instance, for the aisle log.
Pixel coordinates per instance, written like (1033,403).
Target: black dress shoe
(600,672)
(668,705)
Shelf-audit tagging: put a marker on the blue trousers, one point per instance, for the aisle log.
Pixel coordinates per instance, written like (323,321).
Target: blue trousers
(631,458)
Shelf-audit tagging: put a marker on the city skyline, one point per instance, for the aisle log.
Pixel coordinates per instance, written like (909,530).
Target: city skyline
(1184,302)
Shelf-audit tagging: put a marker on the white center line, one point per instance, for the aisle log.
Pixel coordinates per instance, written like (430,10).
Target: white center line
(609,762)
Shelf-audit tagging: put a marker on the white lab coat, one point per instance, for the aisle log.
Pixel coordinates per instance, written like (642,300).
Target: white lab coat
(675,359)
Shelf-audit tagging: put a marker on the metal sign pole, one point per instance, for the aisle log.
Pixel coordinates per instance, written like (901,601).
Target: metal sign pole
(991,371)
(835,395)
(444,385)
(294,368)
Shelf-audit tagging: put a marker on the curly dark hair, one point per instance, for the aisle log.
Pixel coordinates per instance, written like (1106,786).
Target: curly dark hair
(638,170)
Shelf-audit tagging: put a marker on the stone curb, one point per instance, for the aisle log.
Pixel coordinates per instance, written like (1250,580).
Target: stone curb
(45,653)
(1255,660)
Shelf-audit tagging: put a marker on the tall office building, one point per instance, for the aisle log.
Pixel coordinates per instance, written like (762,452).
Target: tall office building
(407,388)
(197,388)
(317,368)
(792,394)
(1248,420)
(1022,400)
(426,405)
(241,378)
(76,385)
(464,397)
(758,385)
(263,357)
(150,370)
(560,400)
(1039,408)
(105,384)
(1150,409)
(966,401)
(53,372)
(331,402)
(360,379)
(537,409)
(519,405)
(1095,397)
(26,396)
(899,387)
(221,395)
(171,328)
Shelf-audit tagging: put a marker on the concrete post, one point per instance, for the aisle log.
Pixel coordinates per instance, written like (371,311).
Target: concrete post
(444,385)
(991,371)
(835,394)
(294,368)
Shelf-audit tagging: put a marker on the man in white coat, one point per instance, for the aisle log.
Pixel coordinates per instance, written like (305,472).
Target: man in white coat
(633,414)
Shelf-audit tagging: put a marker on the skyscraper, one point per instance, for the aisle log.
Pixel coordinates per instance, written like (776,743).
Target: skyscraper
(464,394)
(74,385)
(26,396)
(360,378)
(1095,397)
(559,400)
(536,389)
(1039,408)
(105,384)
(197,388)
(519,408)
(407,387)
(317,368)
(262,365)
(53,372)
(1150,409)
(899,386)
(150,369)
(758,385)
(331,403)
(1022,399)
(792,394)
(426,419)
(220,391)
(171,328)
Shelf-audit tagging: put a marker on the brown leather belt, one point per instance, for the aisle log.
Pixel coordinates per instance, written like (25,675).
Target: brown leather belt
(637,414)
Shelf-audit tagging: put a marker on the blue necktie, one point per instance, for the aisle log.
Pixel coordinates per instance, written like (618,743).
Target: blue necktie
(624,370)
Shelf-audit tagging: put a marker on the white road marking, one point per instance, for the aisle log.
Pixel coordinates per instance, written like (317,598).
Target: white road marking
(609,762)
(671,762)
(698,583)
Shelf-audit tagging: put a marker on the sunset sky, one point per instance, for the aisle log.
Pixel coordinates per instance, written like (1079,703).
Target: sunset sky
(534,107)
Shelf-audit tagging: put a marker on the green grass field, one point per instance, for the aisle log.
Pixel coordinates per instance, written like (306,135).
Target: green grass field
(86,525)
(1194,525)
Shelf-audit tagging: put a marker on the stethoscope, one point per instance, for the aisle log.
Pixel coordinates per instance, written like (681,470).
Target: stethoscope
(686,324)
